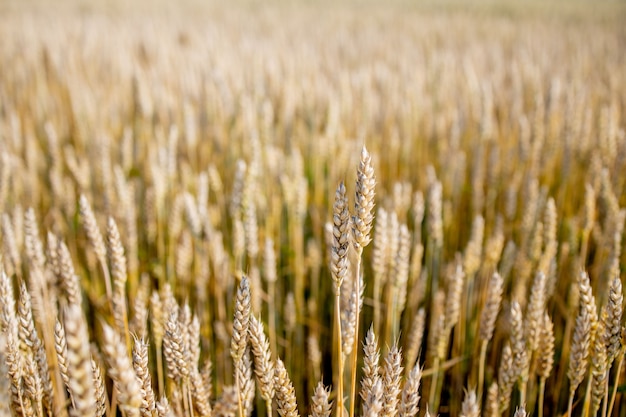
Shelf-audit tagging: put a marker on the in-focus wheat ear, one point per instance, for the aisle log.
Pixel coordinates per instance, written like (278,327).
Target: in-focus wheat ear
(121,372)
(140,364)
(364,202)
(409,403)
(285,394)
(361,228)
(339,248)
(339,271)
(371,368)
(320,404)
(80,383)
(263,364)
(582,337)
(241,321)
(101,394)
(391,377)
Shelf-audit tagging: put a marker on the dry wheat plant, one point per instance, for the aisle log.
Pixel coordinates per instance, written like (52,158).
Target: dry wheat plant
(284,208)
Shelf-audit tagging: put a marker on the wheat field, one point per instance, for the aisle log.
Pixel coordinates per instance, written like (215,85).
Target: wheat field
(322,208)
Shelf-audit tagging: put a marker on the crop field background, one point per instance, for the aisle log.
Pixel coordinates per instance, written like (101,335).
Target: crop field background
(350,208)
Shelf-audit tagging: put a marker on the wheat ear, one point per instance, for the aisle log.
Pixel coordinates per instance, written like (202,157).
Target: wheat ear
(100,389)
(409,404)
(506,378)
(581,339)
(361,228)
(263,365)
(119,274)
(285,394)
(80,384)
(492,405)
(415,337)
(470,406)
(599,364)
(320,405)
(70,282)
(140,364)
(488,323)
(518,347)
(545,360)
(392,372)
(121,372)
(371,368)
(339,271)
(95,239)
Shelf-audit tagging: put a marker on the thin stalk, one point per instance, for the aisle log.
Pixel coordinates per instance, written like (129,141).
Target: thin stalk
(433,386)
(268,407)
(391,290)
(159,358)
(587,402)
(299,284)
(355,346)
(522,392)
(271,289)
(376,303)
(615,385)
(339,356)
(188,398)
(542,387)
(605,401)
(113,408)
(481,369)
(570,403)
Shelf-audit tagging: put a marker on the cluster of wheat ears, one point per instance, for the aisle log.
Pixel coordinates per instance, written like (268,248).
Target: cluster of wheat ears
(384,212)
